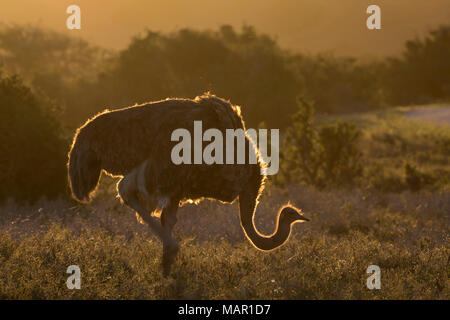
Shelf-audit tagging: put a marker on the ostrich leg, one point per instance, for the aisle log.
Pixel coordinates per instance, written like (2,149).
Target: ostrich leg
(168,221)
(129,194)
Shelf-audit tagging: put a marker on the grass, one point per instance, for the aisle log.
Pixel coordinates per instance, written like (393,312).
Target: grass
(390,142)
(404,232)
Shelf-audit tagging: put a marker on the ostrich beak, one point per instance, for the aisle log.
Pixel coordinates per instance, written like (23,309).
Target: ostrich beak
(302,218)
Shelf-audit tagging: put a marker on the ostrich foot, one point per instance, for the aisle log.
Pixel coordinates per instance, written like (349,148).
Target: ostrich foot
(170,251)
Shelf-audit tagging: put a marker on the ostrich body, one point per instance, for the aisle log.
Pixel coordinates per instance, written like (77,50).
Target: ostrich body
(135,143)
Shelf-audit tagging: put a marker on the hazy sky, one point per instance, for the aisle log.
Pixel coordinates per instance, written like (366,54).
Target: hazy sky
(302,25)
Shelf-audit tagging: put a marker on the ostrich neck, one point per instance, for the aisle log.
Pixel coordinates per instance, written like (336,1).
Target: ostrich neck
(281,234)
(273,241)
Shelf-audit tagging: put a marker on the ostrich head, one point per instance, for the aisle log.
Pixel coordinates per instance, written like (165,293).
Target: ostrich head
(290,214)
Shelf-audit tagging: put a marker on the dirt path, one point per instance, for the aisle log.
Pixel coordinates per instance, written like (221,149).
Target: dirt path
(439,115)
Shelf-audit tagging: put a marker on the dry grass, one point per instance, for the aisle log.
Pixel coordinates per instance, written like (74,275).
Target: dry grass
(406,235)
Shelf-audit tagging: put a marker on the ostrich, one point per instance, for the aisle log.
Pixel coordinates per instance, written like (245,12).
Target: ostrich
(135,144)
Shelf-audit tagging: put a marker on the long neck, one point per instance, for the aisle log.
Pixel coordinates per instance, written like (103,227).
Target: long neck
(247,209)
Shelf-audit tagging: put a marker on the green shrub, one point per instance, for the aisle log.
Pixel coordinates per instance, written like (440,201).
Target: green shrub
(377,178)
(32,151)
(415,179)
(325,155)
(341,156)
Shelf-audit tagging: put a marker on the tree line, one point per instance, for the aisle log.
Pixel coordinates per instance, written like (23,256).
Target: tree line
(51,83)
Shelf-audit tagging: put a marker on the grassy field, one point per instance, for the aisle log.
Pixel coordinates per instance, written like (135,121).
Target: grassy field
(395,218)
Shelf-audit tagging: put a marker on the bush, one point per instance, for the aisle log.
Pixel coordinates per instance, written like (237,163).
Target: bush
(32,150)
(384,181)
(415,179)
(422,73)
(322,156)
(341,156)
